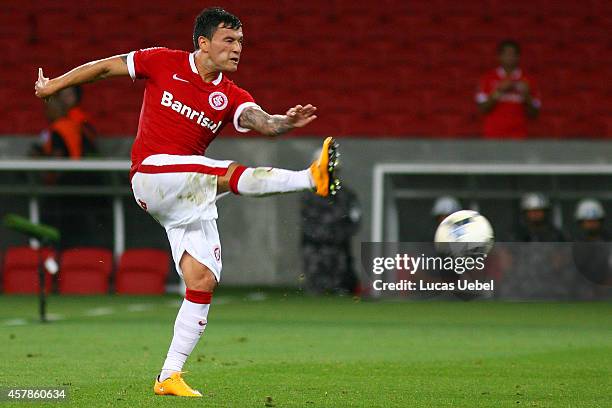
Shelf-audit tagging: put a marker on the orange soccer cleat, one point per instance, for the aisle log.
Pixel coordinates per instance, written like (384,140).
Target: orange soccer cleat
(323,169)
(175,385)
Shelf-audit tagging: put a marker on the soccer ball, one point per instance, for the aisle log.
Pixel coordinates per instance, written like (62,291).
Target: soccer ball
(464,233)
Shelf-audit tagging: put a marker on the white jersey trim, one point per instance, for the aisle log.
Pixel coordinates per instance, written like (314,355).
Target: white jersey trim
(218,80)
(130,65)
(194,69)
(239,111)
(192,63)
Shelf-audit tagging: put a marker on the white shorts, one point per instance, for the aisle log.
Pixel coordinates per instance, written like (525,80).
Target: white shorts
(180,193)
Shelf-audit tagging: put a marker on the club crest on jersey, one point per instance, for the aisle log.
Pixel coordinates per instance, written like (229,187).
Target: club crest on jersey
(190,113)
(217,100)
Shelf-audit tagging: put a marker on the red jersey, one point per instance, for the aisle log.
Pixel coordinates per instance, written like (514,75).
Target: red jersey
(181,114)
(508,117)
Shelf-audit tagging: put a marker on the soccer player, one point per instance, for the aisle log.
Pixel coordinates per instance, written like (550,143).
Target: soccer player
(187,101)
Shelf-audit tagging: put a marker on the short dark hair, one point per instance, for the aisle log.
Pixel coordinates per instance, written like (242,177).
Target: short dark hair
(207,22)
(508,43)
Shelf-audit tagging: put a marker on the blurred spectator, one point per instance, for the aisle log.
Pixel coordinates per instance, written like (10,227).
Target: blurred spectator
(443,207)
(590,216)
(507,96)
(62,138)
(542,267)
(71,97)
(536,225)
(592,251)
(327,229)
(81,219)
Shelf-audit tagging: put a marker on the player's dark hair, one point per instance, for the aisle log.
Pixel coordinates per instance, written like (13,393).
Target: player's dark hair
(207,22)
(508,43)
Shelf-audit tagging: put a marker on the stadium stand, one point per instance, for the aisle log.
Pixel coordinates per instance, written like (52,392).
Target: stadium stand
(142,271)
(85,271)
(20,271)
(442,46)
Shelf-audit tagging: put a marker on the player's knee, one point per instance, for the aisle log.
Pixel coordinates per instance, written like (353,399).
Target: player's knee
(196,275)
(204,281)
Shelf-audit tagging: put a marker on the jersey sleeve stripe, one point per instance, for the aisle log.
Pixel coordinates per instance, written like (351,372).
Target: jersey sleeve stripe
(239,111)
(130,64)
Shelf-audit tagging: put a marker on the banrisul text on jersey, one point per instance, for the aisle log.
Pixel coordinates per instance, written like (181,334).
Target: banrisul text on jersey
(167,99)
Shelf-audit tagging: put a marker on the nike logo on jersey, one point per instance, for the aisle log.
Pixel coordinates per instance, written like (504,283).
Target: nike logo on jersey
(178,78)
(198,116)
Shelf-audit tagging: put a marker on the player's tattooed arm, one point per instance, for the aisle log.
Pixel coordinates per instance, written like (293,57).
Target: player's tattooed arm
(264,123)
(89,72)
(274,125)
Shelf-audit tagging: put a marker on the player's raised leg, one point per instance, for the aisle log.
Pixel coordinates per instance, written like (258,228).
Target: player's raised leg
(263,181)
(188,328)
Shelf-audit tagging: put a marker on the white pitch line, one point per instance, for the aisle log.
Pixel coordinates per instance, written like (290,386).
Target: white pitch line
(53,317)
(256,296)
(174,303)
(222,300)
(99,311)
(139,307)
(15,322)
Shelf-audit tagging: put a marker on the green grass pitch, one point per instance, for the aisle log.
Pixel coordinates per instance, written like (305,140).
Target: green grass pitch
(290,350)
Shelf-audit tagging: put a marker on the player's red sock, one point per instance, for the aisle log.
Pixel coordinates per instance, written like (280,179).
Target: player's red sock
(188,327)
(268,180)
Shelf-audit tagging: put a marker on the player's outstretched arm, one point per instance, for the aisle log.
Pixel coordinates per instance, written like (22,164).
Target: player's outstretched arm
(89,72)
(274,125)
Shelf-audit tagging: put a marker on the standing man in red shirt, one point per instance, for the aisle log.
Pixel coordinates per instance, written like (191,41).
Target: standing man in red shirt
(507,96)
(187,101)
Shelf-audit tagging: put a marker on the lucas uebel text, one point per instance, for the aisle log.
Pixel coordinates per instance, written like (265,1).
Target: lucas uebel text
(423,285)
(413,264)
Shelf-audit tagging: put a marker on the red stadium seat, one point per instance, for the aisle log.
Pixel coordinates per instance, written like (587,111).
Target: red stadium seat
(12,23)
(85,271)
(558,126)
(411,24)
(608,127)
(540,128)
(352,48)
(515,8)
(20,271)
(142,271)
(454,125)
